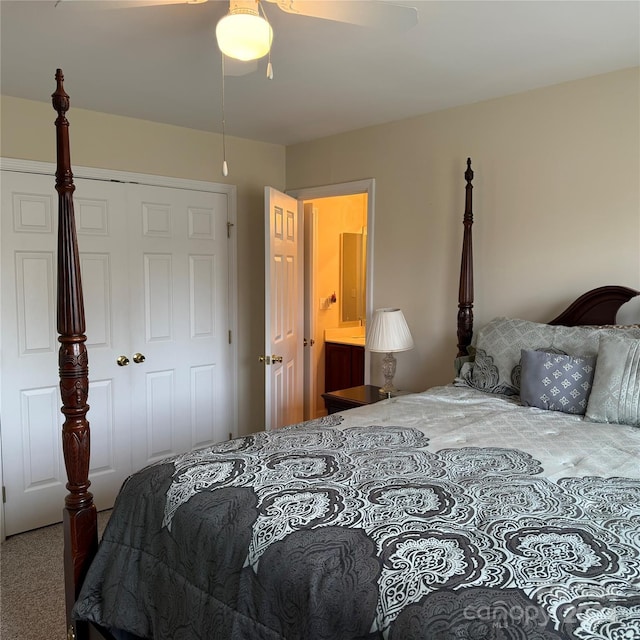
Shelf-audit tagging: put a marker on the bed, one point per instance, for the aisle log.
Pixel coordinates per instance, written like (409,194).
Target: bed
(503,505)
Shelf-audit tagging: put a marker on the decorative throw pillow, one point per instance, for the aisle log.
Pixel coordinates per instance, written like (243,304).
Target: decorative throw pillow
(616,384)
(557,382)
(498,347)
(496,368)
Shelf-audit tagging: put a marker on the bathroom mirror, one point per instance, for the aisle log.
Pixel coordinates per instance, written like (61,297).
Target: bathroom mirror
(352,278)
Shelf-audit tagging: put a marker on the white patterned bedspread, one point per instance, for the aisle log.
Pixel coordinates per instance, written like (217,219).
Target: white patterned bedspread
(565,445)
(451,514)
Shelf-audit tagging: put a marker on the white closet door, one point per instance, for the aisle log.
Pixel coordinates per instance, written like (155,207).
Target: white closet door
(155,271)
(33,467)
(179,320)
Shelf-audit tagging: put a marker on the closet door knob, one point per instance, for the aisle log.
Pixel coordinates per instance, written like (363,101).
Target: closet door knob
(122,361)
(138,358)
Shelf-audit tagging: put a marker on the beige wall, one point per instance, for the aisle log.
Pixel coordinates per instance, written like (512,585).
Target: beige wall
(112,142)
(556,201)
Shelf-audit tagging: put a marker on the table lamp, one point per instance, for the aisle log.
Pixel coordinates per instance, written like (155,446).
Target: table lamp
(388,333)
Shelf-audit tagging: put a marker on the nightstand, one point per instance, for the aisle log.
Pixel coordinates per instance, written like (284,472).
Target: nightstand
(352,397)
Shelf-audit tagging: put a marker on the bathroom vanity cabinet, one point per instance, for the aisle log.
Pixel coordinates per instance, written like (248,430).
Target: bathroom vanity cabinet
(344,366)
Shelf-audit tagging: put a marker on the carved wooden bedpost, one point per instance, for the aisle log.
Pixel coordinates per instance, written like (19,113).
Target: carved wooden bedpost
(79,515)
(465,292)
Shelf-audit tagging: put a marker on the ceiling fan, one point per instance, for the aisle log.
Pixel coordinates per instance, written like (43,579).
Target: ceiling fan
(244,33)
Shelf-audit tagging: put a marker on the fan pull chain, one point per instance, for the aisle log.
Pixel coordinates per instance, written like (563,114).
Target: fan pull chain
(225,168)
(269,65)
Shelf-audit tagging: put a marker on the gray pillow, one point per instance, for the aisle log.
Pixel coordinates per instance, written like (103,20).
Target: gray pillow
(616,384)
(557,382)
(498,347)
(496,368)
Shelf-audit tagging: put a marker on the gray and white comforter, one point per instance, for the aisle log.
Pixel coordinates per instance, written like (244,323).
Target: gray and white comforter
(451,514)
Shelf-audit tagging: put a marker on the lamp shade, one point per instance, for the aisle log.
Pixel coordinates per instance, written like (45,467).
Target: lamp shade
(388,332)
(243,34)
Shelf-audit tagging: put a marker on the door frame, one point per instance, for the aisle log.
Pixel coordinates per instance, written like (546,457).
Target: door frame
(368,186)
(49,169)
(310,376)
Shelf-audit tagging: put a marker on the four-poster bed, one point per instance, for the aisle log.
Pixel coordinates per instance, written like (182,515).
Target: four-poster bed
(377,524)
(79,514)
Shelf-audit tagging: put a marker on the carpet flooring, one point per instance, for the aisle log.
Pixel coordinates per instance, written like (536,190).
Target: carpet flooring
(32,584)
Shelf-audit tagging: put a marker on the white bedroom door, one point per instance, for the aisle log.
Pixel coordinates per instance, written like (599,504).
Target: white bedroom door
(155,275)
(284,312)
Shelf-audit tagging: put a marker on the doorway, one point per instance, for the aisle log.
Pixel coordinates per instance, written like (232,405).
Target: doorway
(335,217)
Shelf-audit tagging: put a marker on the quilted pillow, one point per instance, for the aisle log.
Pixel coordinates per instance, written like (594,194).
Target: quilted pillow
(615,396)
(557,382)
(585,340)
(497,358)
(497,369)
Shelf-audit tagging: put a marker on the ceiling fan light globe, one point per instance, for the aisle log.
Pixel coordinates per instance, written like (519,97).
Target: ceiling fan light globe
(244,36)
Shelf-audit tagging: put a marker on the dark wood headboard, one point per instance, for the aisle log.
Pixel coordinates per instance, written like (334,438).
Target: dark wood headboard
(598,306)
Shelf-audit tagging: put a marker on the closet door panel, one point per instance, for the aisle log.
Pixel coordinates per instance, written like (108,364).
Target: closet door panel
(31,422)
(179,320)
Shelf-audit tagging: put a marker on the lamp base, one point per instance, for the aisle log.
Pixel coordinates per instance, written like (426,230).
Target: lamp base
(388,371)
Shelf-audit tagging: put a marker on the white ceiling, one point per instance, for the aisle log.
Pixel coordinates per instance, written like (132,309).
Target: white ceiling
(161,63)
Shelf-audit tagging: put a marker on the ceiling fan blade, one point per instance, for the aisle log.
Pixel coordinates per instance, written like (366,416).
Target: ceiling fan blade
(375,14)
(116,4)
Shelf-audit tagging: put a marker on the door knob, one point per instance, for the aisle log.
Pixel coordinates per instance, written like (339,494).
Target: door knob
(138,358)
(122,361)
(276,358)
(265,359)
